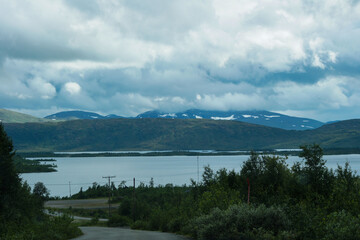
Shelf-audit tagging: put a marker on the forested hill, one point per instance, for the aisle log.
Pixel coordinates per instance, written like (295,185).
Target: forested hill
(173,134)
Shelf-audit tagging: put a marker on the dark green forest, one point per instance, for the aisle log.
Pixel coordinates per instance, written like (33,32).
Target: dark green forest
(175,134)
(303,201)
(21,210)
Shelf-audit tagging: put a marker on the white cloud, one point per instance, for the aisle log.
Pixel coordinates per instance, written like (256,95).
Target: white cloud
(317,62)
(231,101)
(40,86)
(332,56)
(72,87)
(328,93)
(178,54)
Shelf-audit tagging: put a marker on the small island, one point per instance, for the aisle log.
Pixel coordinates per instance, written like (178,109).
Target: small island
(23,165)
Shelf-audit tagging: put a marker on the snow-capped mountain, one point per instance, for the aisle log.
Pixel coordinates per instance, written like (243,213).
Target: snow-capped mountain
(265,118)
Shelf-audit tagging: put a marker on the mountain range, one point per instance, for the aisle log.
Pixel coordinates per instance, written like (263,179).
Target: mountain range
(264,118)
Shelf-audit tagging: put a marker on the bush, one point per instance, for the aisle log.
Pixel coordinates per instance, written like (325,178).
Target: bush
(139,224)
(118,221)
(340,226)
(241,221)
(58,228)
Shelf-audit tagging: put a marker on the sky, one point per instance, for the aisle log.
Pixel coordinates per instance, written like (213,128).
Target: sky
(296,57)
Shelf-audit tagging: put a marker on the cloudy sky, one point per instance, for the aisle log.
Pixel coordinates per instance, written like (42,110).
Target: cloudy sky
(125,57)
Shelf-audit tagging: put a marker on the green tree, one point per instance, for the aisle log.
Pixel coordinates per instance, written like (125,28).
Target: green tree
(9,180)
(317,175)
(41,191)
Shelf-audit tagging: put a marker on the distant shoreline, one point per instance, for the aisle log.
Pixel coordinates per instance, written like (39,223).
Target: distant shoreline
(281,152)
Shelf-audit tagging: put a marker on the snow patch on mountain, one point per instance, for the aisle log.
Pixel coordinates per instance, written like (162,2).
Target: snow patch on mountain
(250,116)
(224,118)
(168,115)
(271,116)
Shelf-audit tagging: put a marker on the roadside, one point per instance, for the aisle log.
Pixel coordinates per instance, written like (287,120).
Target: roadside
(97,232)
(76,218)
(106,233)
(99,203)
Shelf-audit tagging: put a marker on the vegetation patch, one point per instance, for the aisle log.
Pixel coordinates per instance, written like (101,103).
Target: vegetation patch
(266,199)
(21,210)
(23,165)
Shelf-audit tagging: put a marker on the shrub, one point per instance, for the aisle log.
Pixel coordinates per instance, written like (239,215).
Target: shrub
(241,221)
(139,224)
(118,221)
(340,226)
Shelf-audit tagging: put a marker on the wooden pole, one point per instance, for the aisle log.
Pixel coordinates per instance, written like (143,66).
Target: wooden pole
(70,189)
(134,203)
(109,177)
(248,182)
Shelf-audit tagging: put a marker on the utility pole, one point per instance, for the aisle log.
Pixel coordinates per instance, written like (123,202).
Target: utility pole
(248,182)
(134,203)
(109,177)
(198,169)
(69,188)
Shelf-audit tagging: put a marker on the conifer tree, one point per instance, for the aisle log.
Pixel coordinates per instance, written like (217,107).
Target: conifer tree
(9,179)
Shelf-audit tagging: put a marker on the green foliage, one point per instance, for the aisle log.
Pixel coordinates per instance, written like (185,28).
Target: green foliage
(23,165)
(285,203)
(10,184)
(57,228)
(41,191)
(21,212)
(241,222)
(118,221)
(340,226)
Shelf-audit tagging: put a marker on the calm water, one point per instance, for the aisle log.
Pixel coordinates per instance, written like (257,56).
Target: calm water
(178,170)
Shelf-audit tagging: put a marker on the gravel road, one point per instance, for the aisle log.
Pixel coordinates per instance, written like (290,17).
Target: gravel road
(104,233)
(81,203)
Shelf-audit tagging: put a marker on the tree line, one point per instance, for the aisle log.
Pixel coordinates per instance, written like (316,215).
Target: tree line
(266,199)
(21,210)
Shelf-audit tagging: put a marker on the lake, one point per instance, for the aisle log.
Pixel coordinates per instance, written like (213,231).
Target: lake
(76,172)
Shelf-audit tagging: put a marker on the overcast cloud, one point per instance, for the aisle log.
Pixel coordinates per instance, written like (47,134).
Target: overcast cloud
(126,57)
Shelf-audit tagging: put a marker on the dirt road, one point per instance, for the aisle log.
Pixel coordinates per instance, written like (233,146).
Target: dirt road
(104,233)
(81,203)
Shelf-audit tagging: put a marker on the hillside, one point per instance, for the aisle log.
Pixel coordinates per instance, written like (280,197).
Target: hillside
(142,134)
(265,118)
(74,115)
(173,134)
(8,116)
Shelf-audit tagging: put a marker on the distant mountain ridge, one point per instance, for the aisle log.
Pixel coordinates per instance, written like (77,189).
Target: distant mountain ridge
(75,115)
(264,118)
(8,116)
(174,134)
